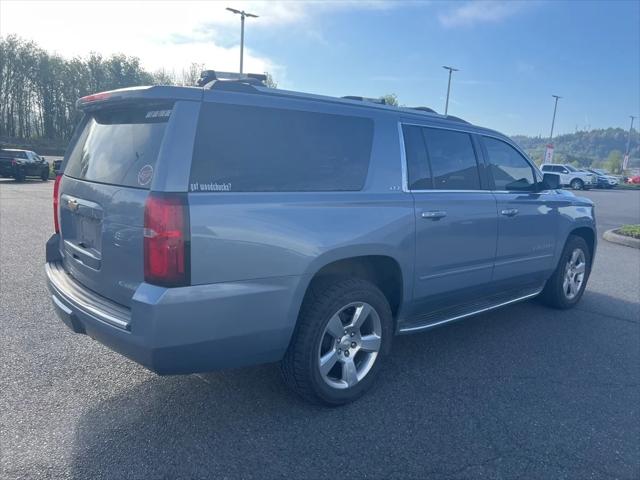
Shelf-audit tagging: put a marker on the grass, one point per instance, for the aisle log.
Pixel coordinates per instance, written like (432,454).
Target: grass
(629,231)
(629,186)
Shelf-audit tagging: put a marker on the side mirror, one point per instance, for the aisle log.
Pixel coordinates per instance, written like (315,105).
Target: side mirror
(550,181)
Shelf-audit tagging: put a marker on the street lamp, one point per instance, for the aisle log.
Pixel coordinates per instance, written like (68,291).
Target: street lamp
(243,15)
(553,121)
(548,154)
(625,163)
(451,70)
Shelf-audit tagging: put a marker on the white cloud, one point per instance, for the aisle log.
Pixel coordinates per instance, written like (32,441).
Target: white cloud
(480,11)
(163,34)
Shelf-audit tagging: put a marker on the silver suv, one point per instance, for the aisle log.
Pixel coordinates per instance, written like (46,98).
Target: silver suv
(234,224)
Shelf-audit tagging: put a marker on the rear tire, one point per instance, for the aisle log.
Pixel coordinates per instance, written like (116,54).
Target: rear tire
(343,335)
(45,175)
(565,287)
(577,184)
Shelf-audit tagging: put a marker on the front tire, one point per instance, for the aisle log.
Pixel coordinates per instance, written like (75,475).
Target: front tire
(577,184)
(565,287)
(344,332)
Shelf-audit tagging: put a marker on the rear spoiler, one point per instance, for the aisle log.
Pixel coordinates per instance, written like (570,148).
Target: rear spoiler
(144,94)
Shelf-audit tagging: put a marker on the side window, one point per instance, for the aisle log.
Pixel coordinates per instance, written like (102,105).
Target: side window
(257,149)
(452,159)
(547,168)
(418,169)
(509,168)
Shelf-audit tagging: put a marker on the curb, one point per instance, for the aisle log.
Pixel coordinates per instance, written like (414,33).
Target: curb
(614,237)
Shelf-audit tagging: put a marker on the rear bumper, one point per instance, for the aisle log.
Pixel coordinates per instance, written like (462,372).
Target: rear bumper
(185,330)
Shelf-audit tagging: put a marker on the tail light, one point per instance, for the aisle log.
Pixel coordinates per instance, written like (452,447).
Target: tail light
(56,203)
(166,240)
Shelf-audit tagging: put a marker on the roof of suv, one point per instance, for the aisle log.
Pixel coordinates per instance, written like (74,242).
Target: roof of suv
(165,92)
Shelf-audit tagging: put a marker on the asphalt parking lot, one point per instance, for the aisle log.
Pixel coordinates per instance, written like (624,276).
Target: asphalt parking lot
(522,392)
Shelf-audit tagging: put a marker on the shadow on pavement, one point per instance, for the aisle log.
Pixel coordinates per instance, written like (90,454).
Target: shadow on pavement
(489,396)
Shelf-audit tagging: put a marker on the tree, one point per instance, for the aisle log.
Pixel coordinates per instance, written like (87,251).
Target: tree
(270,82)
(614,162)
(390,99)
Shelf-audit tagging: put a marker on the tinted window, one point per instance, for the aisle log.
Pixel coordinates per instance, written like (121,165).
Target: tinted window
(417,163)
(452,159)
(510,170)
(547,168)
(252,149)
(119,147)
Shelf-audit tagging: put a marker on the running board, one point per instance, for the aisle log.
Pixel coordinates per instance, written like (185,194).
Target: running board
(440,317)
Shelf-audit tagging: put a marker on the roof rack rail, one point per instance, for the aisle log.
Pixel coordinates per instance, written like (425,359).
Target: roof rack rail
(209,77)
(379,101)
(456,119)
(424,109)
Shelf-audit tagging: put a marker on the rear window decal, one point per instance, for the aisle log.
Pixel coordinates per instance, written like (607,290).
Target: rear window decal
(209,187)
(145,174)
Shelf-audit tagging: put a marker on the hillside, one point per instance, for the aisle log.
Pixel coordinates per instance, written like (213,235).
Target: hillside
(585,148)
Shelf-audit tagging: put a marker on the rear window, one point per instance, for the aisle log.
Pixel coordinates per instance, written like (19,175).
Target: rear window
(253,149)
(14,154)
(119,147)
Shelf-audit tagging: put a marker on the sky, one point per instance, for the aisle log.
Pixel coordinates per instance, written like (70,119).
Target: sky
(511,55)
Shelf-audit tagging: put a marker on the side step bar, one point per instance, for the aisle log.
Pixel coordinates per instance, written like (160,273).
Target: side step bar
(431,320)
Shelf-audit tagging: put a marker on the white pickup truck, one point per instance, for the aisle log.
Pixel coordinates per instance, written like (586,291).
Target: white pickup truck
(571,176)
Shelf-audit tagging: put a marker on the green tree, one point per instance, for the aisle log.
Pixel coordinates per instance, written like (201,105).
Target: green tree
(270,82)
(390,99)
(614,162)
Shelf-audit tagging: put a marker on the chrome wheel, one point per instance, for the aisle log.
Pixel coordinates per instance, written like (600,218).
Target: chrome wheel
(574,273)
(349,345)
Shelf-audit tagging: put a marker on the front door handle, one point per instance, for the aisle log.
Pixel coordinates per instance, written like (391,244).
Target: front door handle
(509,212)
(434,214)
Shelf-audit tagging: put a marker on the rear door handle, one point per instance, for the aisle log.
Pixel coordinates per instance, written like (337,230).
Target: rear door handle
(434,214)
(509,212)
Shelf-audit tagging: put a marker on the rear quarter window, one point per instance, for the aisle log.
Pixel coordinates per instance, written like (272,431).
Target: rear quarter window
(119,147)
(255,149)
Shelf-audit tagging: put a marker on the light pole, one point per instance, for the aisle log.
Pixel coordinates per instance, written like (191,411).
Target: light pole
(625,162)
(553,121)
(243,15)
(548,154)
(451,70)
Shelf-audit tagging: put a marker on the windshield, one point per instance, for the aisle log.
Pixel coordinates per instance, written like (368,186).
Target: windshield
(119,147)
(571,168)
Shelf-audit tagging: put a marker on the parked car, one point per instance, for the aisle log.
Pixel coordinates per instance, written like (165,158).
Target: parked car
(56,165)
(570,176)
(235,224)
(604,180)
(21,164)
(634,180)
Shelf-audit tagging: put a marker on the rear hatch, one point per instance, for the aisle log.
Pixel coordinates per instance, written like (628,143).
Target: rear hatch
(106,182)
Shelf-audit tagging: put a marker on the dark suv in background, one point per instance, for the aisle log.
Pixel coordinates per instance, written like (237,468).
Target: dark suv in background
(234,224)
(21,164)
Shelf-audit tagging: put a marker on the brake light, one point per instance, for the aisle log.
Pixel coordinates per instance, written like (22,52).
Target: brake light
(166,240)
(95,97)
(56,203)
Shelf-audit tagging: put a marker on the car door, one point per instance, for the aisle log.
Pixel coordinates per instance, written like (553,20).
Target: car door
(456,220)
(527,218)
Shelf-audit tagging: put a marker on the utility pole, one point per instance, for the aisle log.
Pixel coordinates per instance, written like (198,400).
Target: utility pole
(625,162)
(451,70)
(548,155)
(243,15)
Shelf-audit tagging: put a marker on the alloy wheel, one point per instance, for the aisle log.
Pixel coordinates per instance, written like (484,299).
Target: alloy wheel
(349,345)
(574,274)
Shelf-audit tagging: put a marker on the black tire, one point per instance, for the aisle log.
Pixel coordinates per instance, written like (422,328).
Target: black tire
(554,293)
(19,177)
(576,184)
(45,175)
(300,365)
